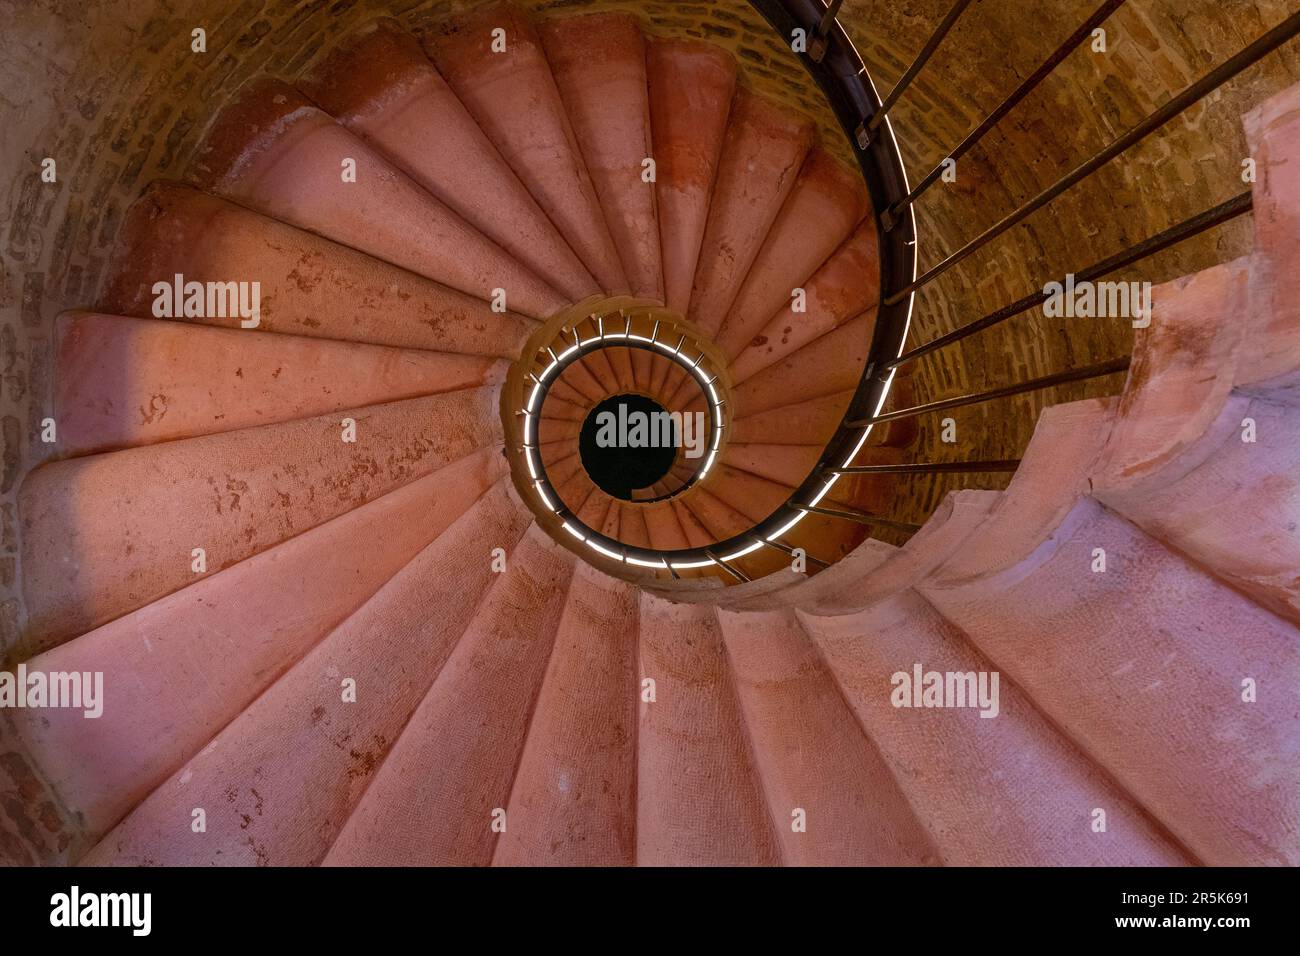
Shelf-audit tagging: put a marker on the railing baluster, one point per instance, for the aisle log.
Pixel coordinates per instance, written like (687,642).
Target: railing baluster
(735,572)
(1024,89)
(790,551)
(867,131)
(817,47)
(931,467)
(1114,366)
(861,517)
(1266,44)
(1199,223)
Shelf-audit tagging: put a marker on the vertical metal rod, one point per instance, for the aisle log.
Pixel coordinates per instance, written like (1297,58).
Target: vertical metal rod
(817,47)
(1224,212)
(790,551)
(733,571)
(861,517)
(1266,44)
(918,64)
(1111,367)
(932,467)
(1006,106)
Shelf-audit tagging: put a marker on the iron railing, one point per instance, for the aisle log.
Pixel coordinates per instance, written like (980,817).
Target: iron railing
(838,70)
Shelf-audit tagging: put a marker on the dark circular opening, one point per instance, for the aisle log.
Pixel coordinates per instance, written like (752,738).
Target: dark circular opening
(624,445)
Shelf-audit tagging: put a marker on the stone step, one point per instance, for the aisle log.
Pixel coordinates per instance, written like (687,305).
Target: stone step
(272,151)
(537,141)
(379,84)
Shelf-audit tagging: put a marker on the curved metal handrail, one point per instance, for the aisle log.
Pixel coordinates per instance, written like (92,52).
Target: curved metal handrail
(839,72)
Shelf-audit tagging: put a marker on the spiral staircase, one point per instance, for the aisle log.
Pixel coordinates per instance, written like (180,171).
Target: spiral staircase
(357,599)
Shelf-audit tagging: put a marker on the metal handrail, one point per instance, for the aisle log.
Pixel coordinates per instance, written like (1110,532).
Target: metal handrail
(838,70)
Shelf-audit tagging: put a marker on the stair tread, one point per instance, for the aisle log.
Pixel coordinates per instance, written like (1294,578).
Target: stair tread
(380,85)
(537,141)
(827,202)
(1163,714)
(233,494)
(432,801)
(691,86)
(698,797)
(122,382)
(278,783)
(811,755)
(761,154)
(309,285)
(290,168)
(198,657)
(1026,793)
(599,64)
(574,797)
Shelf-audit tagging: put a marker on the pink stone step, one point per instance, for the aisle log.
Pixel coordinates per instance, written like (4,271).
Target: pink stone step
(595,509)
(660,368)
(575,490)
(812,756)
(278,783)
(1053,475)
(664,529)
(697,535)
(574,797)
(825,366)
(309,286)
(1143,666)
(380,85)
(599,64)
(106,534)
(790,465)
(274,152)
(180,669)
(827,202)
(1008,790)
(1182,370)
(121,382)
(752,496)
(612,526)
(1270,335)
(847,285)
(558,408)
(684,470)
(632,528)
(761,154)
(691,85)
(953,527)
(1176,463)
(642,363)
(621,359)
(602,370)
(717,516)
(580,378)
(810,422)
(433,800)
(1228,505)
(558,430)
(844,577)
(735,594)
(562,389)
(513,97)
(676,386)
(699,799)
(784,464)
(555,452)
